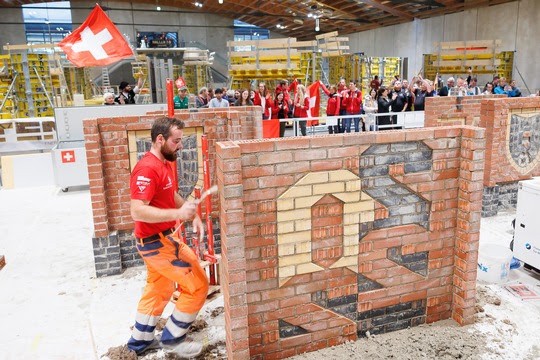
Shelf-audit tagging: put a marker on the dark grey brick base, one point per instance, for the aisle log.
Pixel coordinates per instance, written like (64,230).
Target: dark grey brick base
(107,255)
(117,252)
(499,197)
(392,318)
(288,330)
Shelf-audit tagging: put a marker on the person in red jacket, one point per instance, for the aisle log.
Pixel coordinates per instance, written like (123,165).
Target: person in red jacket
(301,106)
(263,98)
(333,106)
(353,105)
(280,111)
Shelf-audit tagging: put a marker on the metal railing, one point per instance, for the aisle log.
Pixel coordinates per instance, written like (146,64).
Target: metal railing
(403,120)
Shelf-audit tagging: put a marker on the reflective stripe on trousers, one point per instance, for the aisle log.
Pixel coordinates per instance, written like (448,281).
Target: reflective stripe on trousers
(173,263)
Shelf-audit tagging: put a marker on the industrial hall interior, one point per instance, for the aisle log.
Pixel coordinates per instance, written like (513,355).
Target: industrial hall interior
(270,179)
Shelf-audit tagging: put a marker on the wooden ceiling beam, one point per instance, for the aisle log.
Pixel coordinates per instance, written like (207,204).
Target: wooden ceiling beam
(388,9)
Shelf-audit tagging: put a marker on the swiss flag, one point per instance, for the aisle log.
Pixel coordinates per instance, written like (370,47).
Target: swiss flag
(314,102)
(180,82)
(97,42)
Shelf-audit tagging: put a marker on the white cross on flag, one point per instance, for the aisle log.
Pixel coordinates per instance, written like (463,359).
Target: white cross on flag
(314,102)
(97,42)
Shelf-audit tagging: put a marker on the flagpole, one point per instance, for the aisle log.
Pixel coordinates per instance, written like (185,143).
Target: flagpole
(170,98)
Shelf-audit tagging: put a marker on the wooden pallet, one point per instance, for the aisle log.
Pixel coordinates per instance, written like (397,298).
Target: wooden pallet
(2,261)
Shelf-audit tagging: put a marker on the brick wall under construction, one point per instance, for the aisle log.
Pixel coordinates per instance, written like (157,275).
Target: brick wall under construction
(325,238)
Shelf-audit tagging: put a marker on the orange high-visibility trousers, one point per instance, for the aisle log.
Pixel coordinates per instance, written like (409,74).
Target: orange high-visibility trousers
(168,261)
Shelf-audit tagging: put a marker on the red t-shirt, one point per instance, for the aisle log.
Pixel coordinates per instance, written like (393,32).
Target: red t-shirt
(153,180)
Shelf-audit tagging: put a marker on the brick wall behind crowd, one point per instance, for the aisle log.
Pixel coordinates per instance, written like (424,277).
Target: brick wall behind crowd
(109,172)
(325,238)
(512,140)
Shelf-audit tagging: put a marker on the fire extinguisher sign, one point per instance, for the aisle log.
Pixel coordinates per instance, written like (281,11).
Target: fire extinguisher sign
(68,156)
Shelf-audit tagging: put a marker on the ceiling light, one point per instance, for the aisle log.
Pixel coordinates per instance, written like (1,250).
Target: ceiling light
(198,4)
(220,1)
(158,8)
(317,28)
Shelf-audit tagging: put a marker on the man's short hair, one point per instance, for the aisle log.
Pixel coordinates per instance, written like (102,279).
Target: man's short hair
(450,79)
(162,125)
(123,85)
(218,91)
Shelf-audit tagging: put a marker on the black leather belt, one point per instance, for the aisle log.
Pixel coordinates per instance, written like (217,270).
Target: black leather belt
(156,236)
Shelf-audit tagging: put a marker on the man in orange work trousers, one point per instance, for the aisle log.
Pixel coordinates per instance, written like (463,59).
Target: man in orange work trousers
(155,207)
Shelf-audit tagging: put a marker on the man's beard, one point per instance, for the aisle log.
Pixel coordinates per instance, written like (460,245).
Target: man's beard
(168,155)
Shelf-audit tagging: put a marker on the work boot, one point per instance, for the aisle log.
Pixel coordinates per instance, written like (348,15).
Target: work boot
(154,345)
(186,349)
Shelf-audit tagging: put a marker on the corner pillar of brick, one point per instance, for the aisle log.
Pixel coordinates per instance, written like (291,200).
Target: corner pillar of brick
(468,224)
(106,245)
(233,261)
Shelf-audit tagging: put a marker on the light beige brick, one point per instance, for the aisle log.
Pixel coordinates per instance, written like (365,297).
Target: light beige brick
(351,229)
(285,204)
(301,225)
(353,268)
(292,215)
(283,281)
(303,247)
(329,188)
(306,201)
(297,191)
(358,206)
(353,185)
(296,259)
(351,239)
(345,262)
(308,268)
(351,250)
(342,175)
(314,178)
(353,218)
(285,249)
(284,227)
(365,196)
(348,197)
(287,271)
(294,237)
(367,216)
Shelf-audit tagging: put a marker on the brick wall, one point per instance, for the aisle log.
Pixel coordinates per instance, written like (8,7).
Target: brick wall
(512,140)
(109,166)
(328,237)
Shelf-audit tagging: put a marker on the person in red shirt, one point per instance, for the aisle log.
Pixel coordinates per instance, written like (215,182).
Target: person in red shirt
(263,98)
(333,106)
(353,105)
(375,83)
(280,110)
(301,106)
(155,207)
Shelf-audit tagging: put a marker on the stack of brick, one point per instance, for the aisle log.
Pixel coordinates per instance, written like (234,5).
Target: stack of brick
(327,238)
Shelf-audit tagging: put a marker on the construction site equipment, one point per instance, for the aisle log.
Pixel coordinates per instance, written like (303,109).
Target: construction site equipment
(196,68)
(141,68)
(273,59)
(455,57)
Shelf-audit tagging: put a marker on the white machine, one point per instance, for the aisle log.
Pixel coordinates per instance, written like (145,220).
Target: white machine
(69,155)
(527,227)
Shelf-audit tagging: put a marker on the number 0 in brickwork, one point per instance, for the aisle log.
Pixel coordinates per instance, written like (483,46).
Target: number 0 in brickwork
(318,223)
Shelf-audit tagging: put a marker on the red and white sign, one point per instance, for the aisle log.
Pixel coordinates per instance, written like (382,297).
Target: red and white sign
(68,156)
(97,42)
(180,82)
(314,102)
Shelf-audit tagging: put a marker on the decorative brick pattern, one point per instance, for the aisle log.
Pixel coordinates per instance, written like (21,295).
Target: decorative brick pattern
(273,194)
(111,154)
(289,330)
(417,262)
(381,165)
(523,137)
(392,318)
(512,138)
